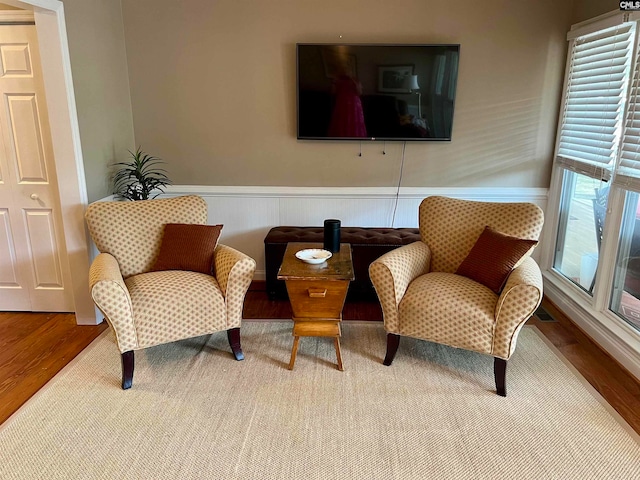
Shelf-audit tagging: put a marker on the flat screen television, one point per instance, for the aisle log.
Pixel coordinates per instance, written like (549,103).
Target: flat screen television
(376,91)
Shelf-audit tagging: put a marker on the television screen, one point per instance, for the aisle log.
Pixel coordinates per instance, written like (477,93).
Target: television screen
(375,91)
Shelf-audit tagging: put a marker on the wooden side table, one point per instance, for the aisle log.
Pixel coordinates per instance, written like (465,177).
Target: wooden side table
(317,294)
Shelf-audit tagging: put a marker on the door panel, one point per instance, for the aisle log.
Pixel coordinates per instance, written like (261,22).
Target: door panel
(23,117)
(8,261)
(13,295)
(43,248)
(29,198)
(16,60)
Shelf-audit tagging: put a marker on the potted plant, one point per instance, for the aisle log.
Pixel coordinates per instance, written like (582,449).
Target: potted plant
(140,177)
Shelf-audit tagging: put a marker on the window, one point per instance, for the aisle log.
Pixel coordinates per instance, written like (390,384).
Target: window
(625,295)
(580,235)
(599,65)
(597,169)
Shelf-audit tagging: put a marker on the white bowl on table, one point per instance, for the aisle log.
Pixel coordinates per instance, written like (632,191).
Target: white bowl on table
(313,255)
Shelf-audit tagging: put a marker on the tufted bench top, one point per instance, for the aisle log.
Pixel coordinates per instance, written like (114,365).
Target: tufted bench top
(367,244)
(353,235)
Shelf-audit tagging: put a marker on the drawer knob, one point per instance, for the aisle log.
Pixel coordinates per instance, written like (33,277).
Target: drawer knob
(317,292)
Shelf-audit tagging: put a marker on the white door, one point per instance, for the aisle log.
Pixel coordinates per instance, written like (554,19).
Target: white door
(34,271)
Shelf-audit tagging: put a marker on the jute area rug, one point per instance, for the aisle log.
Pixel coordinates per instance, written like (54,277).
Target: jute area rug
(194,412)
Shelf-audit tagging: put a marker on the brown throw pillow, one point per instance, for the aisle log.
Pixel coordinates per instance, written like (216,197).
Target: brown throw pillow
(493,257)
(188,247)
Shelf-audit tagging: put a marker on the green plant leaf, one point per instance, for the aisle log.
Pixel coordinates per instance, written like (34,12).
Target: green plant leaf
(140,178)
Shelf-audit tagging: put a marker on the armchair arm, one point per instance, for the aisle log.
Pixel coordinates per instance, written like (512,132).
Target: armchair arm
(518,301)
(234,272)
(392,273)
(111,296)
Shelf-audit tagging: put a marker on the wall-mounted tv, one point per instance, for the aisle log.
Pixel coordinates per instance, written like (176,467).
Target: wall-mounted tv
(376,91)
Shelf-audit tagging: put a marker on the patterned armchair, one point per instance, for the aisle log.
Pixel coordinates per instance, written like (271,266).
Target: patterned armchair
(147,308)
(422,297)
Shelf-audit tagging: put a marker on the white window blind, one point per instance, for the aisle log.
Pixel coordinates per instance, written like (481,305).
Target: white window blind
(628,169)
(594,101)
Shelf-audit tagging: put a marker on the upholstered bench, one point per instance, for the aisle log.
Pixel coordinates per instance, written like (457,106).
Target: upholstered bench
(367,244)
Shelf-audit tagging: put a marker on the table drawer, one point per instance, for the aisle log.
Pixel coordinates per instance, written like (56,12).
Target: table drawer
(317,299)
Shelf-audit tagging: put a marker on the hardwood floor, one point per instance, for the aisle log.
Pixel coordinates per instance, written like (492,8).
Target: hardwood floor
(34,347)
(257,305)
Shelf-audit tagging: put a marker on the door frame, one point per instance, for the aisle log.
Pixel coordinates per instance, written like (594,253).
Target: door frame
(67,152)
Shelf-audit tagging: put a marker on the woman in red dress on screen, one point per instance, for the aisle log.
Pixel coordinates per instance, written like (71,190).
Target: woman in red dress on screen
(347,119)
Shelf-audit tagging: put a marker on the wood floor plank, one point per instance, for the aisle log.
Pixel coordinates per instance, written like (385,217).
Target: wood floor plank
(39,335)
(36,346)
(14,326)
(258,306)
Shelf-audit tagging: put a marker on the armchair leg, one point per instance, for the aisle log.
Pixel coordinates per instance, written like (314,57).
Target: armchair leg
(127,369)
(500,375)
(233,335)
(393,341)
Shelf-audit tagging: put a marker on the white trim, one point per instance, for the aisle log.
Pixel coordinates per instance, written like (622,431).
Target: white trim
(65,132)
(552,217)
(606,20)
(277,192)
(552,213)
(490,194)
(484,194)
(600,22)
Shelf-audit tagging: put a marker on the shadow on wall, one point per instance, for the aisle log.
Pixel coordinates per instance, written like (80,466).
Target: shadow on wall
(486,151)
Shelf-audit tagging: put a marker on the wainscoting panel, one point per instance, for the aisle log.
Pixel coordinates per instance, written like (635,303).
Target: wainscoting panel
(246,220)
(352,212)
(248,213)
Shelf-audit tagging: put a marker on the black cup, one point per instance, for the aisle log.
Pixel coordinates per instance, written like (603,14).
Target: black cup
(332,235)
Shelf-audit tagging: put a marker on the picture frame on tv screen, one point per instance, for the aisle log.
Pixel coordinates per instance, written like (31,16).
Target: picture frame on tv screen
(392,78)
(403,92)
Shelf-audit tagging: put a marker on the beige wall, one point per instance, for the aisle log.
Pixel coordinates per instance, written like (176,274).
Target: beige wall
(586,9)
(100,80)
(213,89)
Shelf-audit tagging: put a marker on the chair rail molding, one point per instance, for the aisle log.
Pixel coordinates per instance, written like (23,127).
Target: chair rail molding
(489,194)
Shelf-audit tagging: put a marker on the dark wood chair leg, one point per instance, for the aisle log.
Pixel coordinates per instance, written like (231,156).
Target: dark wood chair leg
(233,335)
(127,369)
(500,375)
(393,341)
